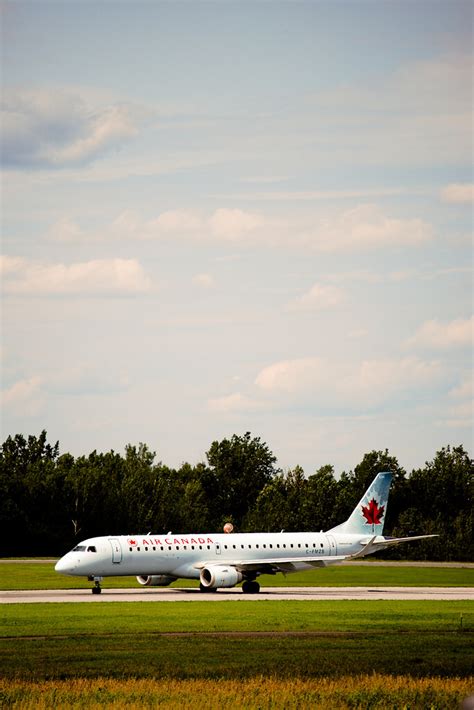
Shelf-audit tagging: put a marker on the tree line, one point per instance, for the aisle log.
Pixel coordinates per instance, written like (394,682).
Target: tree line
(50,501)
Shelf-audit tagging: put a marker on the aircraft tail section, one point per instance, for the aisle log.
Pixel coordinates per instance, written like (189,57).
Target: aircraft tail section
(369,515)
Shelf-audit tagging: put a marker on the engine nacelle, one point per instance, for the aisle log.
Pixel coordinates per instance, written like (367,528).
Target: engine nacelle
(157,580)
(220,576)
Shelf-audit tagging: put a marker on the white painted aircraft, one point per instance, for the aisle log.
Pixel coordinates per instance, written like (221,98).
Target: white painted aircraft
(224,560)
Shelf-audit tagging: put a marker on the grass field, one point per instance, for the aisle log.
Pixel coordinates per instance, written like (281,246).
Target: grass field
(203,640)
(375,692)
(271,654)
(34,575)
(377,654)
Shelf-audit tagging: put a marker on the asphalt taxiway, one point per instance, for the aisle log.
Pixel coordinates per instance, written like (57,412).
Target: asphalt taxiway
(222,595)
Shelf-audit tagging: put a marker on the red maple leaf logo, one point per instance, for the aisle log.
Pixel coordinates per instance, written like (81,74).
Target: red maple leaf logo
(132,542)
(372,513)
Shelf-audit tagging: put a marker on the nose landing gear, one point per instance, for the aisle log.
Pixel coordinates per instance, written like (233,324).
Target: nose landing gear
(96,589)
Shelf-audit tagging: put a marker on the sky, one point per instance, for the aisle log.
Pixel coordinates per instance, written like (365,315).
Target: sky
(221,217)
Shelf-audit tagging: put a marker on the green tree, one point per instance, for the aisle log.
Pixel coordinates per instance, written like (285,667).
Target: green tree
(440,500)
(240,468)
(270,512)
(27,468)
(321,504)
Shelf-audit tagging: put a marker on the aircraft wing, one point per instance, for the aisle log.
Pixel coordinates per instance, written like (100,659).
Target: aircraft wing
(271,565)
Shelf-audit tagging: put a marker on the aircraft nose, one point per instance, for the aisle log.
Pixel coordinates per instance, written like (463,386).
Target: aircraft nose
(64,565)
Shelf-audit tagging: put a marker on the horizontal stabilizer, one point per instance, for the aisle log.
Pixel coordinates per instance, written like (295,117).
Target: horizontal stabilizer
(397,540)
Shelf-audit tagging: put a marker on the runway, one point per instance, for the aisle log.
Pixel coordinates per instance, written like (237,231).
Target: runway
(222,595)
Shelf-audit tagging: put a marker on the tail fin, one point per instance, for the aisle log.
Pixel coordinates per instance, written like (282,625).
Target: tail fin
(369,515)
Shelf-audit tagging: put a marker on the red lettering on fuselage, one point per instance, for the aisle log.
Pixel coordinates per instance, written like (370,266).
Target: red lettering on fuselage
(172,541)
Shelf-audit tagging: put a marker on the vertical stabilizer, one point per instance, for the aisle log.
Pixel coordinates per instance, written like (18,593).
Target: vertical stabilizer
(369,515)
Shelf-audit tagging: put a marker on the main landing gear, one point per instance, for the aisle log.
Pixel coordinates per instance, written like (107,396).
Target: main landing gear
(202,588)
(96,589)
(250,586)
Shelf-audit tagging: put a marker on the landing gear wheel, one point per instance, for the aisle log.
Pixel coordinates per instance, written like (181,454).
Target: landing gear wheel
(250,587)
(97,589)
(202,588)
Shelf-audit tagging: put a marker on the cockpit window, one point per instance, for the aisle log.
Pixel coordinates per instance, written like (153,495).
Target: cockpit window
(79,548)
(91,548)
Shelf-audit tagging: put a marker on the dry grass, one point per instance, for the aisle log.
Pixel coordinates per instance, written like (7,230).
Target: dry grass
(374,692)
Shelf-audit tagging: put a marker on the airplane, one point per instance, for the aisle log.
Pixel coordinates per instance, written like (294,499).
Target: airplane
(225,560)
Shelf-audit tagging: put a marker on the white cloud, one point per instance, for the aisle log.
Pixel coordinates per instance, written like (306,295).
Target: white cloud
(23,398)
(364,227)
(234,224)
(319,297)
(460,416)
(421,114)
(233,403)
(441,336)
(56,128)
(332,384)
(203,280)
(173,222)
(100,276)
(86,379)
(458,193)
(464,390)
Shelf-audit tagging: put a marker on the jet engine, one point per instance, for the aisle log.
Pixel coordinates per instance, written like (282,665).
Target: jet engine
(220,576)
(158,580)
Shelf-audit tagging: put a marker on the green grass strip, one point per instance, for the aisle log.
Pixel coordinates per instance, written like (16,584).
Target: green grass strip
(288,639)
(32,575)
(199,617)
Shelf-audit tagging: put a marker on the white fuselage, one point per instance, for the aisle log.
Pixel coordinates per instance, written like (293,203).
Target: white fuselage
(184,555)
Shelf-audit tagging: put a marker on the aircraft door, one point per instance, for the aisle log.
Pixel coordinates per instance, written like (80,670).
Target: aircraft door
(116,550)
(332,545)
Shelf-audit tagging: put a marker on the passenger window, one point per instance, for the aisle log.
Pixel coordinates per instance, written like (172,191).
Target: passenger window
(131,549)
(154,549)
(138,549)
(146,549)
